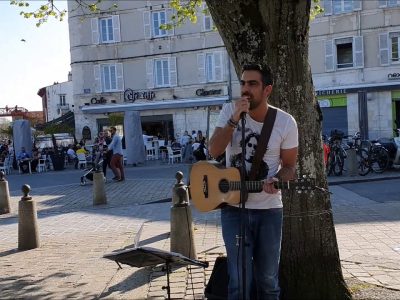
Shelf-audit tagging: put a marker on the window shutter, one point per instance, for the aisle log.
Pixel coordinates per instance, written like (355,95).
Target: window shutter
(149,73)
(329,58)
(357,4)
(384,49)
(120,76)
(218,70)
(201,65)
(97,79)
(95,30)
(173,75)
(169,13)
(116,28)
(328,7)
(382,3)
(358,53)
(147,25)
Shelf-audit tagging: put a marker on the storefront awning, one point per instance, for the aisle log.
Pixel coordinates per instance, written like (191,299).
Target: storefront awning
(167,104)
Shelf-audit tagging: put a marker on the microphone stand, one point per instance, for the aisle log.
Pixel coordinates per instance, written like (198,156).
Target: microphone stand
(243,199)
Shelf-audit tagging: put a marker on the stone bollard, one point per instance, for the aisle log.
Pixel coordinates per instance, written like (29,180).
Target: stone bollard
(28,233)
(352,162)
(5,207)
(99,190)
(182,233)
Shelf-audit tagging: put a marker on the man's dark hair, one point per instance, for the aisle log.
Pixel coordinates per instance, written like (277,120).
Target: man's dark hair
(266,73)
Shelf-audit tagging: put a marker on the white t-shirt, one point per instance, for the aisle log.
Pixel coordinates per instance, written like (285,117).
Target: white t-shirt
(284,136)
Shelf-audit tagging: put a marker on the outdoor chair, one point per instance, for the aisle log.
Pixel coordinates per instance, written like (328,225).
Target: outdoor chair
(41,166)
(6,167)
(82,160)
(174,155)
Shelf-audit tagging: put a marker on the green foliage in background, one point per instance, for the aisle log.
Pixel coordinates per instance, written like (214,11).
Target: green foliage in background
(184,10)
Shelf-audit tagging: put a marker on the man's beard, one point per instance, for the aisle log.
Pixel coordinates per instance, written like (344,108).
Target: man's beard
(254,104)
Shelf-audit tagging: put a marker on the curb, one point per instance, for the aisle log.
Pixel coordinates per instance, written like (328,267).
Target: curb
(361,180)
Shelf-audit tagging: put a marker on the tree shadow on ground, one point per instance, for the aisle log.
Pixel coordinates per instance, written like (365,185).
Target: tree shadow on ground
(27,287)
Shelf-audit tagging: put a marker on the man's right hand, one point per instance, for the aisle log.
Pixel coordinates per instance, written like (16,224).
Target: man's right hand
(241,105)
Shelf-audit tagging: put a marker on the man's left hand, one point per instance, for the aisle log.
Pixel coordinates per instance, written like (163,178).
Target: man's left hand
(269,186)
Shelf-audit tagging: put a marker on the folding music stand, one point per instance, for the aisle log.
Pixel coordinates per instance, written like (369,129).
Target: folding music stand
(147,256)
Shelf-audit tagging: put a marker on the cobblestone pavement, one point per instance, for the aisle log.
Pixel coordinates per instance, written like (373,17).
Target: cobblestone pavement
(75,235)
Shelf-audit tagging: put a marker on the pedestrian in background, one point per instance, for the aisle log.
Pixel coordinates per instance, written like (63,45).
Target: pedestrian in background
(117,165)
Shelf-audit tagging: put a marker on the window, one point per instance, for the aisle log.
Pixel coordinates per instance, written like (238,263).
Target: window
(393,3)
(158,18)
(210,67)
(161,72)
(62,100)
(108,78)
(152,22)
(389,3)
(344,53)
(395,47)
(341,6)
(105,30)
(208,23)
(389,48)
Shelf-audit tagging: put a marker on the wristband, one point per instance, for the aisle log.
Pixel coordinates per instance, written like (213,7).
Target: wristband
(232,123)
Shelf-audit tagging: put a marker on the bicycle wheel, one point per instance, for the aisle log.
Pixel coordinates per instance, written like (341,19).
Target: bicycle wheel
(363,162)
(380,161)
(338,164)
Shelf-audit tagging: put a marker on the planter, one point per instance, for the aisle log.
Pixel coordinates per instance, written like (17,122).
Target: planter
(58,161)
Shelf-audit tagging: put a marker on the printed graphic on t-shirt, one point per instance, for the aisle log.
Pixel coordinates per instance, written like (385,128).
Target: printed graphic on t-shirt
(251,142)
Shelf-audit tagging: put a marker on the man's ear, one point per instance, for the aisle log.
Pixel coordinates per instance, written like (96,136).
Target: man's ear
(268,90)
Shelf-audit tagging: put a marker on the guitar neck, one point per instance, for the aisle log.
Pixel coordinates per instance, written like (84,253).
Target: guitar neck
(256,186)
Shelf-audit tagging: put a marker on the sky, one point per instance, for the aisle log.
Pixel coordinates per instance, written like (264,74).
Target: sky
(28,66)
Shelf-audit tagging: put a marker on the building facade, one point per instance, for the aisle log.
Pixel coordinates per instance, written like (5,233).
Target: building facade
(121,60)
(57,99)
(354,57)
(178,79)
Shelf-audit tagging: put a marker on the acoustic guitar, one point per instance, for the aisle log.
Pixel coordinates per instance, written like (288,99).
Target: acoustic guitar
(212,185)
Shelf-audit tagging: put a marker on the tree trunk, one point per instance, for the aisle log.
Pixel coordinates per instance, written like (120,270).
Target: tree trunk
(275,33)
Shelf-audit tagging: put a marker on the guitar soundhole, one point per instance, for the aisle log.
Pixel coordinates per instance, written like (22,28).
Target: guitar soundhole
(224,186)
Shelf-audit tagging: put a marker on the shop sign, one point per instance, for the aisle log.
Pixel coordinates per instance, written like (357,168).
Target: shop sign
(202,92)
(324,103)
(86,133)
(94,100)
(394,76)
(86,91)
(331,92)
(132,96)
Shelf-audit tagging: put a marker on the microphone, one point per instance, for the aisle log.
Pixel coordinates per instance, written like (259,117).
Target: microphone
(243,115)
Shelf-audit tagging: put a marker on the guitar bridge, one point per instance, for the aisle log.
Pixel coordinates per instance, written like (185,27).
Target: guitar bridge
(205,186)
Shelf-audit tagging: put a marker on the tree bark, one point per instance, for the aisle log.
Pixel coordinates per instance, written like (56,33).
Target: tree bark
(275,33)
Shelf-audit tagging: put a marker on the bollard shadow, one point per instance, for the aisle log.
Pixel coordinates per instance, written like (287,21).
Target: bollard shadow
(8,252)
(136,280)
(28,287)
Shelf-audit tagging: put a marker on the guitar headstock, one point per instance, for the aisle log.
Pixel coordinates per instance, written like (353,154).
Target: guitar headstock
(306,183)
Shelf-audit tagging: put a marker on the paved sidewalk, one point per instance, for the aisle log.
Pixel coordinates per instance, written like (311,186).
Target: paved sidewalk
(75,235)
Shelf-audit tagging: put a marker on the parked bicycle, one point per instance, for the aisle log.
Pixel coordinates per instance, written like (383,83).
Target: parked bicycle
(337,153)
(372,157)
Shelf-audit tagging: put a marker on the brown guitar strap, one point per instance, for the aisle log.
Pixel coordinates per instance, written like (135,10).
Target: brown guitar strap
(266,131)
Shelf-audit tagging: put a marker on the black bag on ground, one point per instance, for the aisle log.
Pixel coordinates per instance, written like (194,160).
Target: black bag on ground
(217,286)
